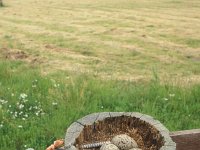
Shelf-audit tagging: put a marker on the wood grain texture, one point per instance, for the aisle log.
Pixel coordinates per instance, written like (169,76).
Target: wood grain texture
(186,140)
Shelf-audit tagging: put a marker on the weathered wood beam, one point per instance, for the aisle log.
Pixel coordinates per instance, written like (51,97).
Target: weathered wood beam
(186,140)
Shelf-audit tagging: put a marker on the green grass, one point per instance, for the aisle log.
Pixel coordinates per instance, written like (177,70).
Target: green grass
(126,37)
(77,95)
(63,59)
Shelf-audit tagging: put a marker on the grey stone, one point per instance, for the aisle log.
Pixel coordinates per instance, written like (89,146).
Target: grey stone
(161,128)
(124,142)
(75,127)
(69,141)
(72,133)
(148,119)
(109,147)
(71,148)
(116,114)
(165,134)
(136,115)
(127,114)
(168,148)
(167,140)
(103,115)
(70,138)
(89,119)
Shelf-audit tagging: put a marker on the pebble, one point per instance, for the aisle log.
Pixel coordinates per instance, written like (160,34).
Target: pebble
(124,142)
(109,147)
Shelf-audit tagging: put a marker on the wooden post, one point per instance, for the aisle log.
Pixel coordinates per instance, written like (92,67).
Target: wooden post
(186,140)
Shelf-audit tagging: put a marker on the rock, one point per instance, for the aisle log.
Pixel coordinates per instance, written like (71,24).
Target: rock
(124,142)
(72,148)
(135,149)
(109,147)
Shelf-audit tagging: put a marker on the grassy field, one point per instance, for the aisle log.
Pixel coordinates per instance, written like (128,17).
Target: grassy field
(61,60)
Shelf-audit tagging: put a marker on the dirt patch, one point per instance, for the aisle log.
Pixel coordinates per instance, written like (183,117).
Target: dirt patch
(50,46)
(193,58)
(14,54)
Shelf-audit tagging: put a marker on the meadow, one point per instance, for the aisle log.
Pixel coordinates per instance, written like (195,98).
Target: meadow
(61,60)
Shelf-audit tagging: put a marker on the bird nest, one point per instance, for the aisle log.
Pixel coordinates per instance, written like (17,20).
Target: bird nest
(91,131)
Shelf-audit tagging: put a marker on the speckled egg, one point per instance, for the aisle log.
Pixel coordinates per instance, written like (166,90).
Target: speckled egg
(109,147)
(124,142)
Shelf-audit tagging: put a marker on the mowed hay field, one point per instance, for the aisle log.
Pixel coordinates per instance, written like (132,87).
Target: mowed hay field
(123,39)
(63,59)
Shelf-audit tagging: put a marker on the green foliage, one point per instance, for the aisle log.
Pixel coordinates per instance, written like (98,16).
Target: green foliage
(35,109)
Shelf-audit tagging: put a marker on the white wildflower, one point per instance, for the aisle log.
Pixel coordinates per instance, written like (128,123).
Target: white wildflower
(20,126)
(34,86)
(29,149)
(3,101)
(35,107)
(25,100)
(166,99)
(171,95)
(21,106)
(1,125)
(26,115)
(15,115)
(30,108)
(20,113)
(12,94)
(37,113)
(23,96)
(54,103)
(24,119)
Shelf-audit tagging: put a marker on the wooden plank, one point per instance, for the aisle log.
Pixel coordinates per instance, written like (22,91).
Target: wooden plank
(186,140)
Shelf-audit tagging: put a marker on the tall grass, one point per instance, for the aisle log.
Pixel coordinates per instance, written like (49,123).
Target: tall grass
(36,109)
